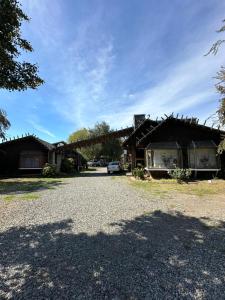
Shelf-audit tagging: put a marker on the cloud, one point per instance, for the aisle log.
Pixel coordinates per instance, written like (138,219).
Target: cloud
(41,129)
(46,24)
(96,74)
(183,86)
(83,73)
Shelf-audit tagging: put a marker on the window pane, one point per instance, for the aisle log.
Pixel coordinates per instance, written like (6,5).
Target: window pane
(165,158)
(203,158)
(31,159)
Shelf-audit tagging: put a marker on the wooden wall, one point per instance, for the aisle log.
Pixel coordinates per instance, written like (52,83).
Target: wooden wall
(9,162)
(182,132)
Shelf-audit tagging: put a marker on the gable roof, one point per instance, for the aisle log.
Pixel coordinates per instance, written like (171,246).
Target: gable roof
(189,121)
(47,145)
(145,126)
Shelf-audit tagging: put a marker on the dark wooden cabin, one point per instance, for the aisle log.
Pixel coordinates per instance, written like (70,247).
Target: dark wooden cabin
(29,154)
(159,146)
(26,154)
(172,143)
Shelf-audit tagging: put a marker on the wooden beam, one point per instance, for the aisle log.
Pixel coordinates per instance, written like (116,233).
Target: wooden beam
(99,139)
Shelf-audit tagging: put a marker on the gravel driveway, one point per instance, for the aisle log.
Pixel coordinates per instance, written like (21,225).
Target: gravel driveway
(95,237)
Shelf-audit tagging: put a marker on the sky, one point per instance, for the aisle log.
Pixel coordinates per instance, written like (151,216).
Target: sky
(106,60)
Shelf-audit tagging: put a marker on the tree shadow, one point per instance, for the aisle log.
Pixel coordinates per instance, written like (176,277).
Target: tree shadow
(157,256)
(19,186)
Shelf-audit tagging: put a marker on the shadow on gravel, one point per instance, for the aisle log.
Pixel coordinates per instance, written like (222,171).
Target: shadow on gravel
(158,256)
(16,186)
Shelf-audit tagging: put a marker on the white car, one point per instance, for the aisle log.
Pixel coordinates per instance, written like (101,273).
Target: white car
(90,163)
(113,166)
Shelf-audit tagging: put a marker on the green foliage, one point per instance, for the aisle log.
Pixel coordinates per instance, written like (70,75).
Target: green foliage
(220,86)
(138,173)
(111,149)
(4,123)
(80,134)
(180,174)
(67,165)
(14,73)
(221,147)
(126,166)
(49,170)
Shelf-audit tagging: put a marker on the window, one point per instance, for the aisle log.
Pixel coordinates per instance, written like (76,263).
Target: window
(203,155)
(31,160)
(163,155)
(167,158)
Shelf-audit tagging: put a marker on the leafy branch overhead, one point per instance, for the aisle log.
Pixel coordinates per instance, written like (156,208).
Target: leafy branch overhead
(4,123)
(15,74)
(215,47)
(220,86)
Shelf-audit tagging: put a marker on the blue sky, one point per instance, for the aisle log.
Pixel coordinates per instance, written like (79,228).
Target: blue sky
(107,60)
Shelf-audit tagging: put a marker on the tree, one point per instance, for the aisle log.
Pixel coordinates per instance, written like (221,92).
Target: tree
(220,86)
(80,134)
(111,149)
(14,73)
(4,123)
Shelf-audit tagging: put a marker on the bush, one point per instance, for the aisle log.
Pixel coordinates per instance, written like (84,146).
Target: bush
(67,165)
(127,167)
(180,174)
(138,173)
(49,170)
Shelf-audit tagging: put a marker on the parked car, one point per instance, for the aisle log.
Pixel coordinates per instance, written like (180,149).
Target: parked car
(113,166)
(90,163)
(96,163)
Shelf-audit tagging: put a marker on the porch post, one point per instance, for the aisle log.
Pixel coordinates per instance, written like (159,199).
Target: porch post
(133,154)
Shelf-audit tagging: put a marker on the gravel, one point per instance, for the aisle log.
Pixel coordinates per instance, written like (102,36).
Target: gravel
(95,237)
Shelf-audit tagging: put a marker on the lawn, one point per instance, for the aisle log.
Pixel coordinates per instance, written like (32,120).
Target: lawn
(165,187)
(26,188)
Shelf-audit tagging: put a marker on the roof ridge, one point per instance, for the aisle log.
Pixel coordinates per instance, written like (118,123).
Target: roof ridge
(44,143)
(190,121)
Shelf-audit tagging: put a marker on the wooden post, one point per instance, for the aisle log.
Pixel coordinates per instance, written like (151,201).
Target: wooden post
(133,153)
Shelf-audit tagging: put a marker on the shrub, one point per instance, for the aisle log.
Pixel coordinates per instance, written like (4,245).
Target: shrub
(67,165)
(49,170)
(138,173)
(139,166)
(126,167)
(180,174)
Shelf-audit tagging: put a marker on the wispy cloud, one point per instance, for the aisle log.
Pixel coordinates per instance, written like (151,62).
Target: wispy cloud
(107,62)
(46,25)
(84,72)
(41,129)
(182,87)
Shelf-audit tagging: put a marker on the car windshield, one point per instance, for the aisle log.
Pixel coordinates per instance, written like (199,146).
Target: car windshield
(114,163)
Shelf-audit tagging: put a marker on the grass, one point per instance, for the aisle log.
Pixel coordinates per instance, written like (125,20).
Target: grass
(16,185)
(30,197)
(26,188)
(165,187)
(9,198)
